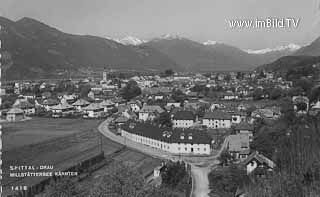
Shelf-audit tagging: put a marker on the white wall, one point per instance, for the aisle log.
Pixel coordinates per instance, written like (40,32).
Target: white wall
(143,116)
(182,123)
(251,166)
(169,147)
(213,123)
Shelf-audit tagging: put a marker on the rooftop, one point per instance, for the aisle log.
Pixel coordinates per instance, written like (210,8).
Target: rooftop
(184,115)
(168,134)
(238,143)
(152,108)
(217,114)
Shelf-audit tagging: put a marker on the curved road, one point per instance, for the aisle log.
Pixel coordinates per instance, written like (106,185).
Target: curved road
(200,166)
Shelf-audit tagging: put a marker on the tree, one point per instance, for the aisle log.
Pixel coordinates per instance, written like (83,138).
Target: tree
(201,110)
(287,109)
(119,180)
(225,181)
(178,95)
(130,91)
(168,72)
(239,75)
(227,77)
(164,119)
(62,187)
(301,106)
(225,157)
(84,90)
(275,93)
(314,94)
(257,94)
(173,173)
(304,83)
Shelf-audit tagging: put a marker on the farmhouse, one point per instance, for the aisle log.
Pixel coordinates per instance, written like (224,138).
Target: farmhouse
(27,107)
(94,110)
(244,128)
(178,141)
(62,110)
(48,103)
(217,119)
(80,104)
(149,112)
(107,105)
(238,146)
(183,119)
(258,161)
(15,114)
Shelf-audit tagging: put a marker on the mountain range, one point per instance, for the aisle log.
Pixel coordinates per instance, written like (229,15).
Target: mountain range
(304,57)
(32,49)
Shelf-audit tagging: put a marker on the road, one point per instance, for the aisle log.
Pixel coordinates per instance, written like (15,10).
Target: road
(201,182)
(200,166)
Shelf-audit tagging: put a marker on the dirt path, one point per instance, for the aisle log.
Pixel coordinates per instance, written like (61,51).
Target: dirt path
(201,182)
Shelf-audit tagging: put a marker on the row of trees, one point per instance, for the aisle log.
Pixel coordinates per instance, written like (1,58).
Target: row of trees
(294,144)
(121,180)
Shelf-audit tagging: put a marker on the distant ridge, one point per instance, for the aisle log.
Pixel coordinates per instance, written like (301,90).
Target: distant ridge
(32,49)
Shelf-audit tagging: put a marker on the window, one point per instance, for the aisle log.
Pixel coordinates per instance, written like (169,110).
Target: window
(179,148)
(204,149)
(185,149)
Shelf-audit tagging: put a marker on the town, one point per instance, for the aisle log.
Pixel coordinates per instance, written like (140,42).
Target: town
(225,124)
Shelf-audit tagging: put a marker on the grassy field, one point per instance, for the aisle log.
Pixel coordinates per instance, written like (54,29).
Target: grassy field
(37,130)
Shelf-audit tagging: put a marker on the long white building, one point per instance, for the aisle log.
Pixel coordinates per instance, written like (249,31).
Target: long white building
(177,141)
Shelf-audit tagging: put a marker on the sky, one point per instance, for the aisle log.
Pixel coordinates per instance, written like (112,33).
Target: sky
(199,20)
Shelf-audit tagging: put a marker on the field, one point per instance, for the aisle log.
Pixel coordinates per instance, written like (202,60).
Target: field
(37,130)
(61,143)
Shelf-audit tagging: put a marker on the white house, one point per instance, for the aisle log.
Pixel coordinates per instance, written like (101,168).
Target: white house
(217,119)
(94,110)
(173,103)
(230,96)
(135,106)
(217,105)
(183,119)
(149,112)
(61,110)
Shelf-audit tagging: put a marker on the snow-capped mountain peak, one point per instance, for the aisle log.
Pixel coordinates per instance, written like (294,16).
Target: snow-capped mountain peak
(290,47)
(130,40)
(170,36)
(167,37)
(210,42)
